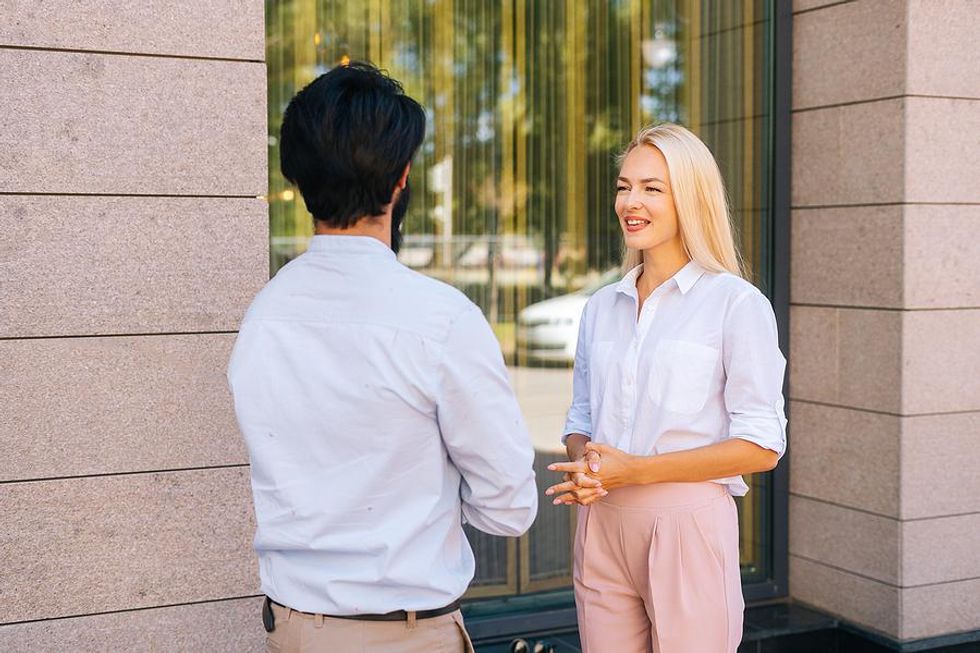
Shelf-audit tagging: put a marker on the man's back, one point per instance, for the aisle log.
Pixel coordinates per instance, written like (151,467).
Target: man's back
(377,413)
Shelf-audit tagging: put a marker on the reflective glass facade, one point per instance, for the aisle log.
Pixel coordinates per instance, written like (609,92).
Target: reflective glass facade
(512,199)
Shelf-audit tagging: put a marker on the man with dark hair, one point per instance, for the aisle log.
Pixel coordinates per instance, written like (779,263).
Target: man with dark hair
(373,400)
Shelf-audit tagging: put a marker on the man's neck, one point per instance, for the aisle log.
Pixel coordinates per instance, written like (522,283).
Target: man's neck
(373,227)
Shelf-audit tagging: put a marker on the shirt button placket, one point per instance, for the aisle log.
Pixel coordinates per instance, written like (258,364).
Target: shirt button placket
(630,382)
(639,336)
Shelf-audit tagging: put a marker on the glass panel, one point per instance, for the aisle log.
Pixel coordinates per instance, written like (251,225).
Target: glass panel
(731,110)
(527,103)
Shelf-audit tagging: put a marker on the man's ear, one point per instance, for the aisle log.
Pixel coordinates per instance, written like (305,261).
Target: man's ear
(403,180)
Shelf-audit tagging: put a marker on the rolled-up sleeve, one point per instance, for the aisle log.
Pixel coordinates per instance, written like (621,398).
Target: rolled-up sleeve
(579,417)
(483,430)
(754,368)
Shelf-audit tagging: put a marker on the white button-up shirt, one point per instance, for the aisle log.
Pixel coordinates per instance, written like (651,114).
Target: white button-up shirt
(700,365)
(378,416)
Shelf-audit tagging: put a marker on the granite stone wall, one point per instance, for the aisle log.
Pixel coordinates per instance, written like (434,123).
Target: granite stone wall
(132,237)
(885,315)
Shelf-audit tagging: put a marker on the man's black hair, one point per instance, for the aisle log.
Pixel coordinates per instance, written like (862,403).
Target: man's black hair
(398,212)
(345,141)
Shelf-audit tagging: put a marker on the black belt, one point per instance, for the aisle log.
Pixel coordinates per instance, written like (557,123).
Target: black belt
(397,615)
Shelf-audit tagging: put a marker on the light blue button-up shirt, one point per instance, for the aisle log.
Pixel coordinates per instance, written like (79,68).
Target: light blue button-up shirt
(378,415)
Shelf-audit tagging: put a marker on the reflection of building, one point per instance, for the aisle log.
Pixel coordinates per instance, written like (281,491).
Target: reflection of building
(132,159)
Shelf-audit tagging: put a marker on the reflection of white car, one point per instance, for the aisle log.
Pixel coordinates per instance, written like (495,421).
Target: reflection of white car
(416,256)
(513,251)
(548,331)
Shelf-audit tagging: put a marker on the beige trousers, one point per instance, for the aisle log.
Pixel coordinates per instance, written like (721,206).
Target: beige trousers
(297,632)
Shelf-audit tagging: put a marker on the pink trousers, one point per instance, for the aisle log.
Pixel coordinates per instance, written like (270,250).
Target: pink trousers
(656,569)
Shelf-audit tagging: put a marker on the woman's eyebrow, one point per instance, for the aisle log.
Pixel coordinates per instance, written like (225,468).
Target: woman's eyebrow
(644,181)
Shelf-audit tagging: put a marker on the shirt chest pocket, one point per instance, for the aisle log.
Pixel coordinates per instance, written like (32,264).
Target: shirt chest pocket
(681,375)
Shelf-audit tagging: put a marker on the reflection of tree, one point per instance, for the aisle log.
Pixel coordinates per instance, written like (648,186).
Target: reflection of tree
(287,215)
(486,84)
(529,101)
(609,119)
(475,75)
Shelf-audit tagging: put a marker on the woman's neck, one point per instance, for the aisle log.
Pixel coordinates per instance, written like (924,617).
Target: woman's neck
(658,266)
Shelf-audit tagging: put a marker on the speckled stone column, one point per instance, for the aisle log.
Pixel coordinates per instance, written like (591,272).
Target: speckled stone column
(133,149)
(885,294)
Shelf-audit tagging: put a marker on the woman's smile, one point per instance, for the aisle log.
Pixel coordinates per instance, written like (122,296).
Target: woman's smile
(634,223)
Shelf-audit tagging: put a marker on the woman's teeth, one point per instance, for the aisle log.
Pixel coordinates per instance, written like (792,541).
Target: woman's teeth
(637,223)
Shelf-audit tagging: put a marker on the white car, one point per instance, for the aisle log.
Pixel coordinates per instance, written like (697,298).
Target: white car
(547,331)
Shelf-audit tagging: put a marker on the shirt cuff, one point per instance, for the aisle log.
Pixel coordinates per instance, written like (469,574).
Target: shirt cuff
(767,431)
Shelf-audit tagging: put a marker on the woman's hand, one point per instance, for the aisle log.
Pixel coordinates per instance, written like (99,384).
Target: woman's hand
(581,488)
(618,467)
(616,470)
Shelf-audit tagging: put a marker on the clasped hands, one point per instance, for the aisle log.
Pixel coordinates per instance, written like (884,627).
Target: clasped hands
(590,477)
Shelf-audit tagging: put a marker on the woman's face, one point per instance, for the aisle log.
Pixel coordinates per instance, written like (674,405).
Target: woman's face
(644,202)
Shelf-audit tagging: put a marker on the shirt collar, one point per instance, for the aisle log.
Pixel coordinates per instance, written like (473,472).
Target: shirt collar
(365,245)
(627,285)
(684,279)
(687,276)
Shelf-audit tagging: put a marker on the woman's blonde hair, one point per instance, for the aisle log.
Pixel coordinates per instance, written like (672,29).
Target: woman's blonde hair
(699,199)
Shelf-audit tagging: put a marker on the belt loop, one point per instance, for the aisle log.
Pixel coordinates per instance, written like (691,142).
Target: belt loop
(289,613)
(318,620)
(411,620)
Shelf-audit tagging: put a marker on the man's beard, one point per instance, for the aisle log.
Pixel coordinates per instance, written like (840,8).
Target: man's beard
(398,215)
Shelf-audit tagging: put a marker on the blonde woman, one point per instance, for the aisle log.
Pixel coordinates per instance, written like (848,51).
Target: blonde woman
(677,393)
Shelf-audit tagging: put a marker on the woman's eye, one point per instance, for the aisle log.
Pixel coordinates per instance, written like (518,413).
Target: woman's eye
(620,189)
(652,189)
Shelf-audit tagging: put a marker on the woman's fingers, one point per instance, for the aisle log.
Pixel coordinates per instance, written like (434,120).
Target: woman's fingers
(571,466)
(586,496)
(568,499)
(573,482)
(583,496)
(593,460)
(567,486)
(575,493)
(592,499)
(582,480)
